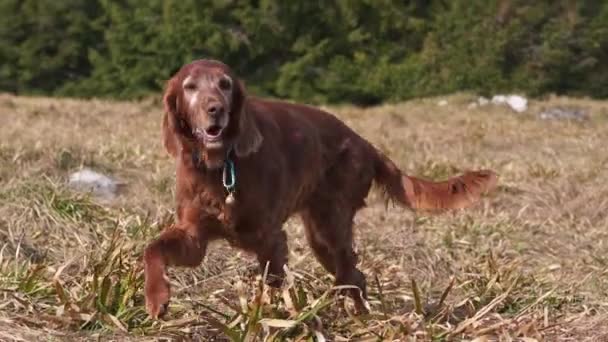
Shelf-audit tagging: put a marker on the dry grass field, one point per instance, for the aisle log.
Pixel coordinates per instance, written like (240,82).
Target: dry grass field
(530,262)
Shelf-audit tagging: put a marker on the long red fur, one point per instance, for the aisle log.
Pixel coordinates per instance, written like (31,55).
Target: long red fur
(290,159)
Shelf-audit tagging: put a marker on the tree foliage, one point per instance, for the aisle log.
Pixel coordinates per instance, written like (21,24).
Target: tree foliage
(362,51)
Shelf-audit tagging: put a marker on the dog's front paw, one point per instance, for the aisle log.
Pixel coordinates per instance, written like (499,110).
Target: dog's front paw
(157,294)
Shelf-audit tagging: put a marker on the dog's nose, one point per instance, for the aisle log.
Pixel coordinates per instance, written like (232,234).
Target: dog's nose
(215,109)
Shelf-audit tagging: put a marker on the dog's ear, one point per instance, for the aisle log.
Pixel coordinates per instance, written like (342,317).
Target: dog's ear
(170,102)
(249,137)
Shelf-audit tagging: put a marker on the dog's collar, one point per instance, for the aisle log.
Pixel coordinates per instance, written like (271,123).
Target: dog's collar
(228,171)
(198,163)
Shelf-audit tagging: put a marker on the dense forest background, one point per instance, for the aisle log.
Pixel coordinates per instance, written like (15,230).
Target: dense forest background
(360,51)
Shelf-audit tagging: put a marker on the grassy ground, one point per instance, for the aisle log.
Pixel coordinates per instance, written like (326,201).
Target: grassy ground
(530,261)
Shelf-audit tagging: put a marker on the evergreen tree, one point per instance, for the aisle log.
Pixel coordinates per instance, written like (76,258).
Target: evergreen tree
(45,43)
(362,51)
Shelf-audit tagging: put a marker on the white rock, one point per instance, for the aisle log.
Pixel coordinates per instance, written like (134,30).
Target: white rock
(499,99)
(516,102)
(442,103)
(94,182)
(480,102)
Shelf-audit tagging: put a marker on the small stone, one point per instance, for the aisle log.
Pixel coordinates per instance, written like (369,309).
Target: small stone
(87,180)
(564,113)
(480,102)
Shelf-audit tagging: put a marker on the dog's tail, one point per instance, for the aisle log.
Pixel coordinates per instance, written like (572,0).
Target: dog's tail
(418,194)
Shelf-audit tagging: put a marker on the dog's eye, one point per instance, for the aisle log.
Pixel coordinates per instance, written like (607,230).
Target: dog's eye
(225,83)
(181,124)
(190,86)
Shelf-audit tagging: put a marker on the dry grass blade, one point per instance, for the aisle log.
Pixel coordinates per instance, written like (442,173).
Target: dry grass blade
(484,311)
(446,292)
(417,298)
(381,297)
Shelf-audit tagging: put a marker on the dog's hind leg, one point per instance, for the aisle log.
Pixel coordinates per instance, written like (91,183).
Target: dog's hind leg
(329,232)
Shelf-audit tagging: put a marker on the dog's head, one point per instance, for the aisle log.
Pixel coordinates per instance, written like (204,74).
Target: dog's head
(205,112)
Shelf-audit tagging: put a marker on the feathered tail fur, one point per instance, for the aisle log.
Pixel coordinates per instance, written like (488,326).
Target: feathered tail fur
(419,194)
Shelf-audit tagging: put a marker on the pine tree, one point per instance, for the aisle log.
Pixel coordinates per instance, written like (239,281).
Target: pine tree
(45,43)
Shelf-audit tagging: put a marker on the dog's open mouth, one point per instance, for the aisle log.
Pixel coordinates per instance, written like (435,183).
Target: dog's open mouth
(213,132)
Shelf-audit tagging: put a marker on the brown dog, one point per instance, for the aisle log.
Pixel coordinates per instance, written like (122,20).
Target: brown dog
(245,165)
